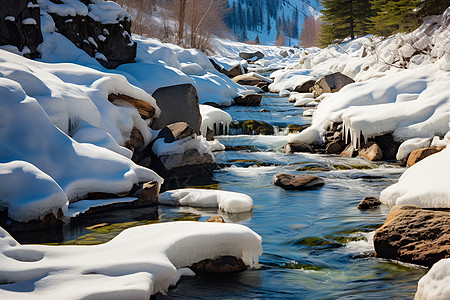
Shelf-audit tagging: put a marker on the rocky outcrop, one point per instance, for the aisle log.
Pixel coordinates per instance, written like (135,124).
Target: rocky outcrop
(248,100)
(178,103)
(331,83)
(110,43)
(419,154)
(297,182)
(145,110)
(20,26)
(369,202)
(251,55)
(293,147)
(220,265)
(414,235)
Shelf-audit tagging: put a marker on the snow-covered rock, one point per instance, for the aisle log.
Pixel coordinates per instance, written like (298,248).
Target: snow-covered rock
(436,283)
(230,202)
(136,264)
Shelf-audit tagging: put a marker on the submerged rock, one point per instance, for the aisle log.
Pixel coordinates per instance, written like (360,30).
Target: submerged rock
(220,265)
(369,202)
(297,182)
(253,127)
(216,219)
(248,100)
(414,235)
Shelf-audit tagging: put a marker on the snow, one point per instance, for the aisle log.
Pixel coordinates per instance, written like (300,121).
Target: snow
(106,12)
(410,145)
(136,264)
(436,283)
(181,146)
(424,184)
(10,18)
(82,206)
(289,79)
(213,118)
(29,21)
(230,202)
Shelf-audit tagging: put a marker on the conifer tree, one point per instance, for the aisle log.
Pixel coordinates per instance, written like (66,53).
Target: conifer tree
(394,16)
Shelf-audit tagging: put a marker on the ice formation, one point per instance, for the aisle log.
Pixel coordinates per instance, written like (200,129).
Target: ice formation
(214,119)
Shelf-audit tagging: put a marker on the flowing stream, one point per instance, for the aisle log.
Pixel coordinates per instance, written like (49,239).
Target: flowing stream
(316,244)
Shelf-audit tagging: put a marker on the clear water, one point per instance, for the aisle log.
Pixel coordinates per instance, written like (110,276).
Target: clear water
(317,244)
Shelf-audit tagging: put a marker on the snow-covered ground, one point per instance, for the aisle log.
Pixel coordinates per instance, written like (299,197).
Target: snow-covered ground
(136,264)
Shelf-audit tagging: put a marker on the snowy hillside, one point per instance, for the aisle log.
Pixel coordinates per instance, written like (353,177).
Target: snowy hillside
(268,19)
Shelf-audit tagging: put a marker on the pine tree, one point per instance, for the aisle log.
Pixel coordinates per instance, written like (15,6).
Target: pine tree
(394,16)
(257,41)
(432,7)
(344,18)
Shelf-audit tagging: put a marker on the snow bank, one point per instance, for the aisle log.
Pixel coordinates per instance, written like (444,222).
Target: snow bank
(410,145)
(424,184)
(213,119)
(139,262)
(230,202)
(436,283)
(42,105)
(289,79)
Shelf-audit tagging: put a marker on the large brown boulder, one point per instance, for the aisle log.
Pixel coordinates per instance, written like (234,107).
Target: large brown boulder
(331,83)
(414,235)
(304,87)
(178,103)
(13,31)
(248,100)
(419,154)
(297,182)
(175,132)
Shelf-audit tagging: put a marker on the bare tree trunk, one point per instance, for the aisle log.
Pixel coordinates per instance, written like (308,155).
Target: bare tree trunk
(181,17)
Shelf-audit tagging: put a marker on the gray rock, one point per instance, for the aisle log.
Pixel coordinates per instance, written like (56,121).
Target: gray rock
(297,182)
(284,53)
(175,132)
(178,103)
(305,87)
(331,83)
(250,55)
(14,32)
(235,71)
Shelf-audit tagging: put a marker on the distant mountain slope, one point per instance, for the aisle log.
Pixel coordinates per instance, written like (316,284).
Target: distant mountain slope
(268,19)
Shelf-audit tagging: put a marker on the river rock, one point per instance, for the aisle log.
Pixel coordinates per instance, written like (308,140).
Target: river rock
(388,146)
(136,140)
(350,151)
(178,103)
(333,148)
(253,127)
(414,235)
(369,202)
(297,182)
(331,83)
(251,55)
(419,154)
(248,100)
(49,221)
(219,67)
(235,71)
(247,79)
(175,132)
(145,109)
(371,151)
(305,87)
(13,31)
(216,219)
(220,265)
(264,86)
(297,146)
